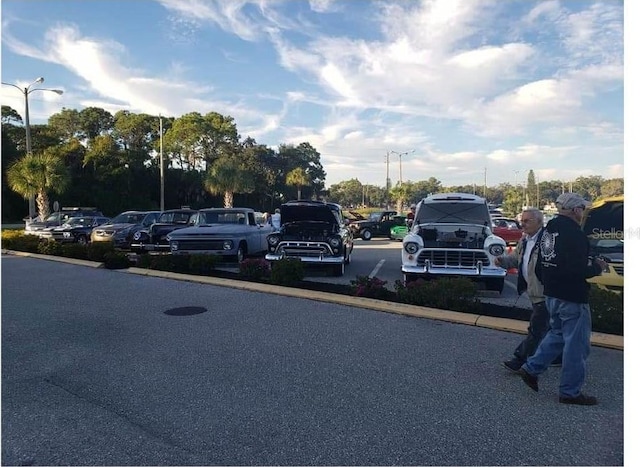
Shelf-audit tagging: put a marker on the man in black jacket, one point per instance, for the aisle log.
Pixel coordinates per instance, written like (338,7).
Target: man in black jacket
(565,266)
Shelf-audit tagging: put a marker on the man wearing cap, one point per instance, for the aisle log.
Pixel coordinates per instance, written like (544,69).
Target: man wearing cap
(565,266)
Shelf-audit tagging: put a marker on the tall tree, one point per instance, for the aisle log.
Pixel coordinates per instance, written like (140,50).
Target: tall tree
(298,177)
(226,177)
(532,190)
(37,175)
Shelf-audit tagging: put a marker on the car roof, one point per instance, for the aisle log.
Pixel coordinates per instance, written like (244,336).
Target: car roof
(467,197)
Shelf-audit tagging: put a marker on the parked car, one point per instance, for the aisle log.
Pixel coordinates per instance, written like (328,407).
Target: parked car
(119,229)
(398,232)
(74,230)
(232,233)
(314,232)
(378,224)
(509,230)
(603,222)
(154,237)
(451,236)
(56,219)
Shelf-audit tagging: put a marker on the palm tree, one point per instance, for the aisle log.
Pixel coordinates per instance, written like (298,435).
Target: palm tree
(298,178)
(36,175)
(226,177)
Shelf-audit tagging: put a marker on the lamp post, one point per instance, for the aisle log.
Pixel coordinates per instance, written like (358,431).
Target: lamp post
(25,92)
(400,154)
(161,170)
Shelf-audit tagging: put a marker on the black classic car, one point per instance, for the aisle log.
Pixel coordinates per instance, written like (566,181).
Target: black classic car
(56,219)
(154,237)
(314,232)
(378,224)
(74,230)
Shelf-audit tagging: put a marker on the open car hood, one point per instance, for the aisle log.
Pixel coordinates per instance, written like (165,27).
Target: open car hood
(306,213)
(605,217)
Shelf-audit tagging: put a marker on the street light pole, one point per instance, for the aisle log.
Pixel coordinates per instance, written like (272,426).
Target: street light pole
(161,170)
(400,154)
(25,92)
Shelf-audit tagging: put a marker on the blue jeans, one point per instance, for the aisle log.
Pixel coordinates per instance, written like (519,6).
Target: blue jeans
(571,328)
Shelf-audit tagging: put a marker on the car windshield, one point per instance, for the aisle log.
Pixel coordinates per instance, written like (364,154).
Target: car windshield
(79,221)
(226,217)
(470,213)
(375,216)
(128,218)
(174,217)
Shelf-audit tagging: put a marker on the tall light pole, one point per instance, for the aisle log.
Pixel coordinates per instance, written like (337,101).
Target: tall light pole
(25,92)
(400,154)
(161,170)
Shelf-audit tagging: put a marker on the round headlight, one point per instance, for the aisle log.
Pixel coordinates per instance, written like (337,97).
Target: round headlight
(411,247)
(273,240)
(66,234)
(334,242)
(227,245)
(496,250)
(174,246)
(137,235)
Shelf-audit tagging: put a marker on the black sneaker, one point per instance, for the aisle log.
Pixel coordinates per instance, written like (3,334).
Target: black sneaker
(580,399)
(530,380)
(512,365)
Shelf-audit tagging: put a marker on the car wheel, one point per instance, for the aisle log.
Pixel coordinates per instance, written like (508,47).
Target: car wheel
(338,270)
(366,234)
(496,285)
(242,253)
(82,240)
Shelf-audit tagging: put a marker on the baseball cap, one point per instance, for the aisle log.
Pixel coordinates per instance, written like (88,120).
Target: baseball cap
(571,201)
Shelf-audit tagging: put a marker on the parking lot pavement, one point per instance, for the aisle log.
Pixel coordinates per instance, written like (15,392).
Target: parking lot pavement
(95,373)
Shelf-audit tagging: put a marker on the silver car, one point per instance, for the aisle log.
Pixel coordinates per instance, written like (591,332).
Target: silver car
(233,233)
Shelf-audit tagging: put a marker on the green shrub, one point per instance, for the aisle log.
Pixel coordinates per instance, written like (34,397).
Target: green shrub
(254,269)
(96,251)
(607,311)
(74,250)
(287,271)
(371,287)
(50,247)
(203,265)
(144,261)
(170,263)
(447,293)
(116,260)
(20,241)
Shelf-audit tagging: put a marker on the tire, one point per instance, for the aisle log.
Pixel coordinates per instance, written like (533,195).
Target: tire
(242,253)
(366,234)
(338,270)
(496,285)
(82,240)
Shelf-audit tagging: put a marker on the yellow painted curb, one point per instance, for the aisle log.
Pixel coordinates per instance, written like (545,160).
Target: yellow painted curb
(60,259)
(502,324)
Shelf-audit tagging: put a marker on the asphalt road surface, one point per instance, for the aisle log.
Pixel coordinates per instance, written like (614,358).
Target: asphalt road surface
(95,373)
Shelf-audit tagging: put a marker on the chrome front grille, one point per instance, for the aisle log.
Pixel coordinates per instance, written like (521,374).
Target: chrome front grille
(453,258)
(304,249)
(191,245)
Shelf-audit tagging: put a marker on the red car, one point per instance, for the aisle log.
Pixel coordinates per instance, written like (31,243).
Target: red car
(507,229)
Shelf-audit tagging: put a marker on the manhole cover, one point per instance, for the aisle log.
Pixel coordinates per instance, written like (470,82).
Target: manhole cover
(185,311)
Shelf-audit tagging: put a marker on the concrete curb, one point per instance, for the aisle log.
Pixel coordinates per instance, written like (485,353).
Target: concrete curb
(502,324)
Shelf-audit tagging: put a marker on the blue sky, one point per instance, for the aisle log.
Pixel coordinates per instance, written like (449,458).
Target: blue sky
(456,86)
